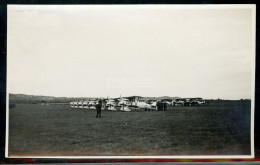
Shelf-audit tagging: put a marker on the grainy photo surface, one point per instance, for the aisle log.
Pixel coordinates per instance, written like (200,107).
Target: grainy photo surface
(109,81)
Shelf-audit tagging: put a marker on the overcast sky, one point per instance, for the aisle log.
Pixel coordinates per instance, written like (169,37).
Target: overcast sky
(147,50)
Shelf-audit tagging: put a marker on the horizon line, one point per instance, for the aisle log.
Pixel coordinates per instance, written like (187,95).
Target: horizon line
(124,96)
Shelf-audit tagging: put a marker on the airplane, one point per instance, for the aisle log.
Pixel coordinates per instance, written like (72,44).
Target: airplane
(117,104)
(178,102)
(123,101)
(92,103)
(80,104)
(74,104)
(136,103)
(123,104)
(109,104)
(85,104)
(189,101)
(199,101)
(153,103)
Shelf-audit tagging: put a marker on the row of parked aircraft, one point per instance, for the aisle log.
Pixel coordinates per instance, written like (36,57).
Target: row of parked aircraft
(135,102)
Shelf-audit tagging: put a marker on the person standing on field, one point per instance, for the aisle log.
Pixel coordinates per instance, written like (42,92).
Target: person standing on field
(98,107)
(164,106)
(159,105)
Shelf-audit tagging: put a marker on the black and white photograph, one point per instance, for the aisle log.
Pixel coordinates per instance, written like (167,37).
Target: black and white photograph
(130,81)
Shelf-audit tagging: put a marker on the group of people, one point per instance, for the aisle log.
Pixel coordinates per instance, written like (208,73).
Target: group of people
(161,106)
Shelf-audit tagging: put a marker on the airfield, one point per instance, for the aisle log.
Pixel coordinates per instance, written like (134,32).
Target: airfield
(222,128)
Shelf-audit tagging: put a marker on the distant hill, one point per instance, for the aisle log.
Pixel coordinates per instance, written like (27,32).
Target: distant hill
(34,99)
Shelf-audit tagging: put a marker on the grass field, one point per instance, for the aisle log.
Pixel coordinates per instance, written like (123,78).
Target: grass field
(222,128)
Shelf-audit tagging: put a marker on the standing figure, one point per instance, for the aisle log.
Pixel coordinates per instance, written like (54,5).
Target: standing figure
(207,103)
(98,107)
(159,105)
(165,106)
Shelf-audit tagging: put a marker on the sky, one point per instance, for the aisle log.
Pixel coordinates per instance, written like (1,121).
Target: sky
(146,50)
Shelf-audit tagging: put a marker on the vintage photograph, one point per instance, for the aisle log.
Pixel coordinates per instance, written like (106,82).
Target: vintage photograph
(130,81)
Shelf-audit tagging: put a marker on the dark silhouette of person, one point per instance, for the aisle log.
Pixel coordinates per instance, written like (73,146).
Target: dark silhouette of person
(98,107)
(165,106)
(159,105)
